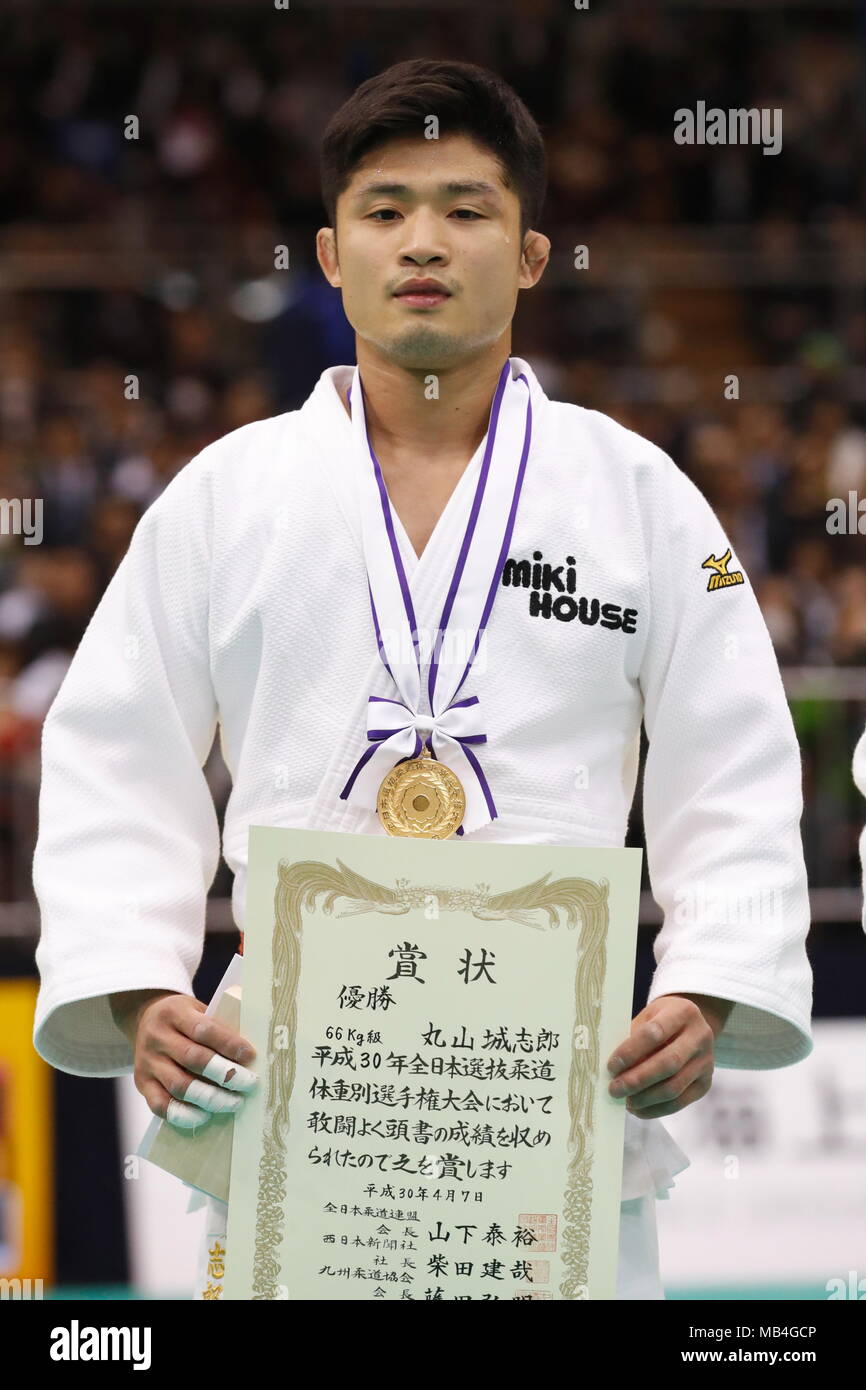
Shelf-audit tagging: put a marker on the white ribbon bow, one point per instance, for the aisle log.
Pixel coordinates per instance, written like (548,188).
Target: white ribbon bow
(394,725)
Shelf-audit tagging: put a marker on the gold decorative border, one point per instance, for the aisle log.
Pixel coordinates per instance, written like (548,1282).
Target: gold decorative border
(298,886)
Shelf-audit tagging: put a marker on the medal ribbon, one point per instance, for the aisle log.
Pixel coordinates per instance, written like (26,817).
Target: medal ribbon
(396,729)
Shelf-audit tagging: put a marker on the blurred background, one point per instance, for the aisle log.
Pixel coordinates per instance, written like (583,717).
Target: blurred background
(141,317)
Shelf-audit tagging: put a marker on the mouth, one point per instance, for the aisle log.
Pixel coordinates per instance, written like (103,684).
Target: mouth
(422,296)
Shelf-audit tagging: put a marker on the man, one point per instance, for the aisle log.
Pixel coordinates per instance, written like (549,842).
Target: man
(248,598)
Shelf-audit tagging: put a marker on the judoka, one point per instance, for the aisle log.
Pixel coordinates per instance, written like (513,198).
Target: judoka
(278,588)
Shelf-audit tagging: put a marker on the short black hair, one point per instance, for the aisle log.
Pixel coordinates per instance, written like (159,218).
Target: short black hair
(465,98)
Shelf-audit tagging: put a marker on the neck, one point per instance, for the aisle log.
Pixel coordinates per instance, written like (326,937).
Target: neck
(405,424)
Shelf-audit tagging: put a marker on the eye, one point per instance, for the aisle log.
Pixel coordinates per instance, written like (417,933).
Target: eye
(379,211)
(470,211)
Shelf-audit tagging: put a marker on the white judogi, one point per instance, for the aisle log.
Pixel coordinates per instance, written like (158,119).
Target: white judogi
(243,602)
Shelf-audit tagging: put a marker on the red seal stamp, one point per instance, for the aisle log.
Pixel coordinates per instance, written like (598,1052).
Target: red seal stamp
(543,1226)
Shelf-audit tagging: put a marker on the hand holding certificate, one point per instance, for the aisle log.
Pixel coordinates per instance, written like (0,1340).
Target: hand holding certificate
(432,1021)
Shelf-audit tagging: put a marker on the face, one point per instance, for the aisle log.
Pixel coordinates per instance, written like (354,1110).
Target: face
(399,220)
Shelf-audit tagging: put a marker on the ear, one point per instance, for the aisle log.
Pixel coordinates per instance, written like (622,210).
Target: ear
(533,258)
(326,254)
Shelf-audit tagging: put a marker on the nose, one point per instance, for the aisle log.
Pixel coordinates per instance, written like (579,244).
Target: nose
(422,240)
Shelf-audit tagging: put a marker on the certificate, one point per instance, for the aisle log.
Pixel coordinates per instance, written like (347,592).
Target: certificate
(432,1021)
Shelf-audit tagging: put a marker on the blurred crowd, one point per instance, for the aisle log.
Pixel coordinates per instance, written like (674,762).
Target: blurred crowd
(108,386)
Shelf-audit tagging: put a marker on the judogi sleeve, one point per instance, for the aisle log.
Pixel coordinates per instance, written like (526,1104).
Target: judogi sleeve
(128,840)
(722,795)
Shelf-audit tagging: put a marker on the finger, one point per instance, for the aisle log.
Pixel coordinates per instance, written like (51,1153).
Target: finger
(182,1086)
(672,1086)
(175,1112)
(670,1061)
(645,1038)
(669,1016)
(216,1099)
(184,1116)
(203,1061)
(187,1015)
(695,1091)
(229,1074)
(218,1037)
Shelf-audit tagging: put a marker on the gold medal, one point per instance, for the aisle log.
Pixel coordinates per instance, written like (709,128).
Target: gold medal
(421,797)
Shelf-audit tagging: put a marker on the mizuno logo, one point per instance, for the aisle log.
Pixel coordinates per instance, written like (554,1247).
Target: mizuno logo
(721,579)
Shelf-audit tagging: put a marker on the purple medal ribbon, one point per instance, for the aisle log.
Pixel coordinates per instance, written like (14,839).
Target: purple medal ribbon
(396,730)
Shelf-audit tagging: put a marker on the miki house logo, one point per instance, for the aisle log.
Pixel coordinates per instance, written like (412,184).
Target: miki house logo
(553,594)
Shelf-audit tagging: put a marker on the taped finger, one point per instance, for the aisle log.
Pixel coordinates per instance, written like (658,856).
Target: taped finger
(184,1116)
(212,1098)
(229,1074)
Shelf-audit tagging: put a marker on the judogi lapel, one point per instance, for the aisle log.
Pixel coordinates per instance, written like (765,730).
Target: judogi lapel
(329,428)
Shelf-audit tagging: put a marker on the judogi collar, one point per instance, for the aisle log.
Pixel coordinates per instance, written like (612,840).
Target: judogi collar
(397,728)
